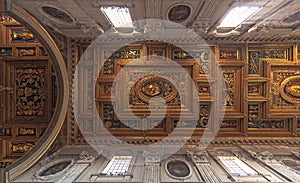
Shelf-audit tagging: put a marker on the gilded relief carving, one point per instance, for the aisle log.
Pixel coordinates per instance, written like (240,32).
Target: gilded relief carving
(267,124)
(228,93)
(229,54)
(229,123)
(26,131)
(26,52)
(178,54)
(109,66)
(255,122)
(204,63)
(145,85)
(109,118)
(127,54)
(7,19)
(108,115)
(21,147)
(30,91)
(255,56)
(254,90)
(204,89)
(253,113)
(285,88)
(90,97)
(156,53)
(22,35)
(203,56)
(293,90)
(5,131)
(5,52)
(290,89)
(203,115)
(107,89)
(153,86)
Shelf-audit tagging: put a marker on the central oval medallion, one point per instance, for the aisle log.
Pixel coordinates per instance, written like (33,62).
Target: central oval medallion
(155,86)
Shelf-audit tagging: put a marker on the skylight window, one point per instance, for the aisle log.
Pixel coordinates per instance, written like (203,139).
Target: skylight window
(235,166)
(118,16)
(238,15)
(118,166)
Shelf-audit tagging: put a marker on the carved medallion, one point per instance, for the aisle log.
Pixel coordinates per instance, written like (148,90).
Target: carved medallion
(155,86)
(179,13)
(57,14)
(290,89)
(54,169)
(178,169)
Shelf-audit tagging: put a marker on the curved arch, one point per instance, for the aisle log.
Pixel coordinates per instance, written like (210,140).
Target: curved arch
(57,120)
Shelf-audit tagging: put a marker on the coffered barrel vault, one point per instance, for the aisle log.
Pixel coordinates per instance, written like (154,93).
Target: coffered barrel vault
(222,107)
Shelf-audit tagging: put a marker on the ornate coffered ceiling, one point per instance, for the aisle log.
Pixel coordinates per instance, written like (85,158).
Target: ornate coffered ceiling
(277,21)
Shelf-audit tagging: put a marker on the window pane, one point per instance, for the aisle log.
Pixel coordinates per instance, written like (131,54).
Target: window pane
(236,166)
(118,165)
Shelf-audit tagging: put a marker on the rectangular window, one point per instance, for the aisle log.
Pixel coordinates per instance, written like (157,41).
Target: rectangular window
(235,166)
(117,166)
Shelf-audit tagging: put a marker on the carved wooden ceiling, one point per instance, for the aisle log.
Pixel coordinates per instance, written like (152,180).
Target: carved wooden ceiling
(277,21)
